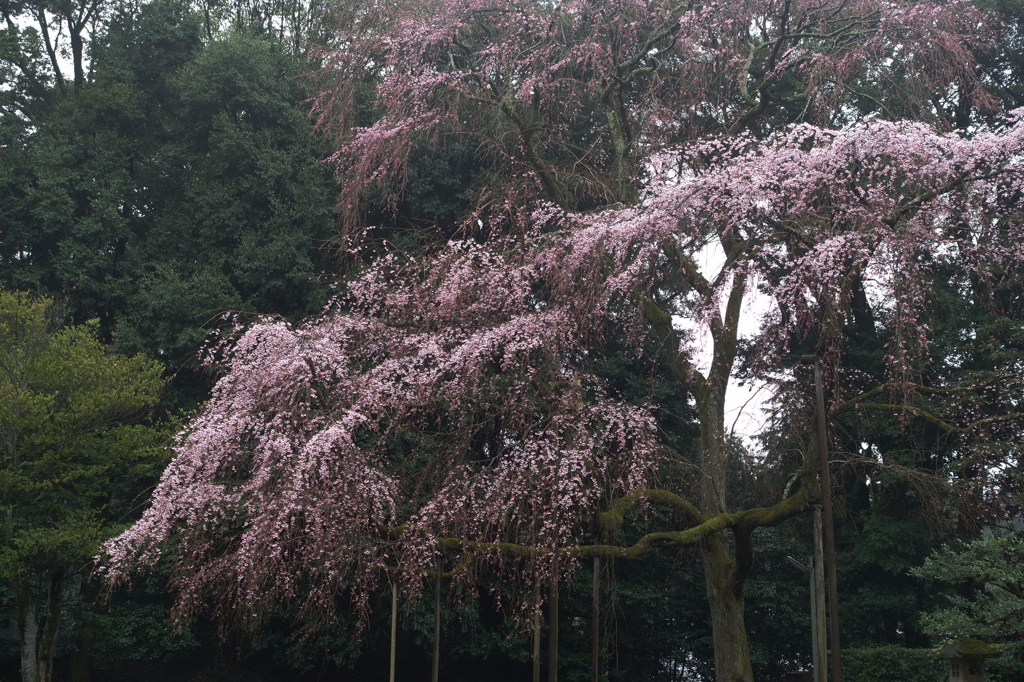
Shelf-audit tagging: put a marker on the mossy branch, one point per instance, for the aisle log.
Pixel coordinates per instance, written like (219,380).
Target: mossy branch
(611,520)
(940,423)
(745,521)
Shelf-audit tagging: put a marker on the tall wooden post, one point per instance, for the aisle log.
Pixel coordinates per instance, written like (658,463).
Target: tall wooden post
(830,540)
(436,668)
(819,649)
(394,626)
(553,622)
(536,631)
(595,618)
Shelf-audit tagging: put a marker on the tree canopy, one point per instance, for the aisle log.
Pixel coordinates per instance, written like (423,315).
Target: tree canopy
(446,404)
(567,230)
(66,412)
(568,101)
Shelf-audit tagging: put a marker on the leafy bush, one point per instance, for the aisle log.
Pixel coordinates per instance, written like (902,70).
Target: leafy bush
(892,664)
(985,597)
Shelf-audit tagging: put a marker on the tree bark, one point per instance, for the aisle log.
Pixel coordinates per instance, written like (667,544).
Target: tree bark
(48,637)
(726,600)
(725,572)
(724,577)
(618,126)
(28,631)
(77,52)
(51,49)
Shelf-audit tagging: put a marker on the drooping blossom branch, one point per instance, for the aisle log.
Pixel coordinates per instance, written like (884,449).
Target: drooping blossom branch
(568,101)
(447,402)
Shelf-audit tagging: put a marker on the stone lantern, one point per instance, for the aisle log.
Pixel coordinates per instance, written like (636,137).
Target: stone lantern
(966,659)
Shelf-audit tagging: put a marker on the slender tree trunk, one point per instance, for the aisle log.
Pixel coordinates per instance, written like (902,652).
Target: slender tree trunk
(51,49)
(28,631)
(48,637)
(621,136)
(77,52)
(206,21)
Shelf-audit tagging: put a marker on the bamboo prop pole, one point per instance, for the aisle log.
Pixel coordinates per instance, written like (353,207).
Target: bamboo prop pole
(553,623)
(595,617)
(436,668)
(394,627)
(536,631)
(830,540)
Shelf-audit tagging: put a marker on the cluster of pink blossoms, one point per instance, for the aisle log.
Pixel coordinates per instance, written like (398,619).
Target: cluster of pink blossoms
(451,396)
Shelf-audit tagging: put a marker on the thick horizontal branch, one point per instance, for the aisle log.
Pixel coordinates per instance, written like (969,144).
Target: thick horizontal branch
(854,402)
(805,239)
(687,268)
(761,517)
(611,520)
(391,533)
(942,424)
(958,181)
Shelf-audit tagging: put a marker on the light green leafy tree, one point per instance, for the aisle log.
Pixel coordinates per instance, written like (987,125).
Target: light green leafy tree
(69,438)
(985,599)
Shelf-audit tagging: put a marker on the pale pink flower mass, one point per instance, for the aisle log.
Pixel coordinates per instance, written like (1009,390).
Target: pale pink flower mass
(450,396)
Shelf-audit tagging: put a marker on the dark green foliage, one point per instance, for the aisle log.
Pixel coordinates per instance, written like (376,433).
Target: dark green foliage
(181,182)
(893,664)
(244,205)
(657,622)
(70,450)
(983,596)
(1004,65)
(137,632)
(879,600)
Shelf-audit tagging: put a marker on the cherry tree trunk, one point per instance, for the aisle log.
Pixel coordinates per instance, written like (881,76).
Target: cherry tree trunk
(726,601)
(722,578)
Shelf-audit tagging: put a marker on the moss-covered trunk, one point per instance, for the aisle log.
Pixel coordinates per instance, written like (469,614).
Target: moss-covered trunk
(725,599)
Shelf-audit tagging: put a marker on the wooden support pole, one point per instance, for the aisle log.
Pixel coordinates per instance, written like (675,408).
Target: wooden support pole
(436,668)
(830,540)
(819,647)
(553,622)
(394,627)
(595,618)
(536,631)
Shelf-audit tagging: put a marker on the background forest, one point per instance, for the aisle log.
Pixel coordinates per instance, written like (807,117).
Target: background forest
(161,167)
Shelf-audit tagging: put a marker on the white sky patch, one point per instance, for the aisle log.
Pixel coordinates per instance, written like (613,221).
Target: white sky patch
(58,35)
(745,413)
